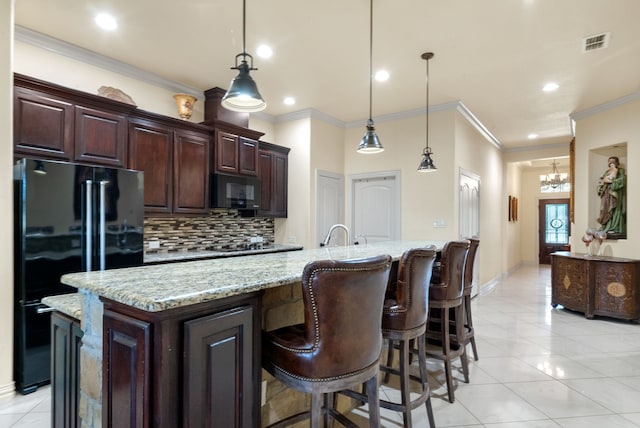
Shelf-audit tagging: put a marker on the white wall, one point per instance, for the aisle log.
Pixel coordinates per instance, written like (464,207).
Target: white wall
(6,198)
(614,126)
(79,75)
(476,154)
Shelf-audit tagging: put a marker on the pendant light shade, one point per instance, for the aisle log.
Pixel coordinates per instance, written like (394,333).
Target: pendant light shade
(426,164)
(243,95)
(370,143)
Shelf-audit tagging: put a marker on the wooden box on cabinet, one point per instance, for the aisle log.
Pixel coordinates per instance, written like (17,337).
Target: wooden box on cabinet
(66,338)
(159,366)
(273,172)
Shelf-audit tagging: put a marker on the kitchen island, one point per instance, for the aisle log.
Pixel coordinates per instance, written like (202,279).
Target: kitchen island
(179,344)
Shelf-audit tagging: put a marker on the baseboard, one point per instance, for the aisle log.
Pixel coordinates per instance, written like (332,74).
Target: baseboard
(8,390)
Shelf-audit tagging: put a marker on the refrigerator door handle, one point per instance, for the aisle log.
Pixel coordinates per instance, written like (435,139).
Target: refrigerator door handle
(87,223)
(44,309)
(102,224)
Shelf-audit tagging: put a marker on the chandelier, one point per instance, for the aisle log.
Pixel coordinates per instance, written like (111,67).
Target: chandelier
(555,179)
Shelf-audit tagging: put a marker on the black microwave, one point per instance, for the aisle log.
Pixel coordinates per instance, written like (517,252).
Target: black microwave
(235,191)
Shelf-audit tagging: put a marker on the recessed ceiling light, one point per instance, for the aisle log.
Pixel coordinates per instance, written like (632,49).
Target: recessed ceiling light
(289,101)
(382,76)
(264,51)
(550,87)
(532,136)
(106,21)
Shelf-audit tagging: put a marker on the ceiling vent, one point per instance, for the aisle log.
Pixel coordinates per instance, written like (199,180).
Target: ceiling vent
(598,41)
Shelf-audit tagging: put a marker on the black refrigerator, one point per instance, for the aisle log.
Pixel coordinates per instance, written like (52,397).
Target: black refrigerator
(68,218)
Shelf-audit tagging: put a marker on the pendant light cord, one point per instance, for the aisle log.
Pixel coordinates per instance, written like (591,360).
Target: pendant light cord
(244,26)
(370,60)
(427,111)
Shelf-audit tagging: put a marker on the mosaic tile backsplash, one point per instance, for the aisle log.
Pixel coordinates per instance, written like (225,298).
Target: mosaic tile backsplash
(222,229)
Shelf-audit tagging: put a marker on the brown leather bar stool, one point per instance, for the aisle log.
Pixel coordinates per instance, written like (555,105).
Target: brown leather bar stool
(445,295)
(469,332)
(338,346)
(404,319)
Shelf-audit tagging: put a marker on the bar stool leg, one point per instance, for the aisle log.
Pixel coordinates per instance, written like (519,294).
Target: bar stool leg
(389,360)
(374,402)
(422,363)
(404,382)
(460,339)
(316,409)
(446,348)
(467,309)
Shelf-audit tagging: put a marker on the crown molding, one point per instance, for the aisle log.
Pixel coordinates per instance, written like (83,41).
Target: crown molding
(473,120)
(563,146)
(77,53)
(601,108)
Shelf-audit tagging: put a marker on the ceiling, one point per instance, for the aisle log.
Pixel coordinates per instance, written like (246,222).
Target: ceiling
(492,55)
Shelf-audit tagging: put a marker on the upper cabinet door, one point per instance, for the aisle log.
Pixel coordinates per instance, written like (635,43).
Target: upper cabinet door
(248,156)
(43,125)
(101,137)
(235,154)
(191,173)
(150,151)
(226,153)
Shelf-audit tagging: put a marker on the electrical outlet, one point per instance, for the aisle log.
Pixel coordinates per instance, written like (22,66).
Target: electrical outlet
(292,239)
(256,239)
(153,245)
(263,399)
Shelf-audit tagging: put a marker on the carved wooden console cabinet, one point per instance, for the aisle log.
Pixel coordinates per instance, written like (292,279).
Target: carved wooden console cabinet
(596,285)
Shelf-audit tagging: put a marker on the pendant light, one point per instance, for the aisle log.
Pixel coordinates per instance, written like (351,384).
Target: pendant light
(243,95)
(427,165)
(370,142)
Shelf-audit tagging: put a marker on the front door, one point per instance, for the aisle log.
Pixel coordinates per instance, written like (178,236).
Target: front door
(554,229)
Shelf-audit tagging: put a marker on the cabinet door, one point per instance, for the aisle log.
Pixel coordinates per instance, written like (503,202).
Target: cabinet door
(570,283)
(66,337)
(100,137)
(150,151)
(247,156)
(265,160)
(280,184)
(218,373)
(226,152)
(43,125)
(273,173)
(191,173)
(126,369)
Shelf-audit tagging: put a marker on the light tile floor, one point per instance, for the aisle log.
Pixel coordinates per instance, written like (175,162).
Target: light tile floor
(539,367)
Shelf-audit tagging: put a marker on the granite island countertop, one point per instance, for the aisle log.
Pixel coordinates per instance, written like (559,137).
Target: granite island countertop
(156,288)
(182,256)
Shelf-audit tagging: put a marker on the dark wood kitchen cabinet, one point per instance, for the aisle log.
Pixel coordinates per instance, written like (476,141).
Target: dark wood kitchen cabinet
(192,366)
(273,172)
(53,122)
(175,164)
(66,337)
(235,149)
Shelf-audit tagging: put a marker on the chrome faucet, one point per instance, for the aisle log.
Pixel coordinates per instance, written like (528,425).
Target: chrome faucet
(327,238)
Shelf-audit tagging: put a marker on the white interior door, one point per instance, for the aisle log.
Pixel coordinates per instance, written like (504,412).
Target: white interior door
(376,207)
(469,206)
(329,205)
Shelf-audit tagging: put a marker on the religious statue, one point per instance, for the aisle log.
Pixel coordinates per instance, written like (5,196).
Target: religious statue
(611,189)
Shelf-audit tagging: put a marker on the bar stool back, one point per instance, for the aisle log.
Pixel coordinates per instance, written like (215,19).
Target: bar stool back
(338,346)
(443,296)
(469,332)
(404,320)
